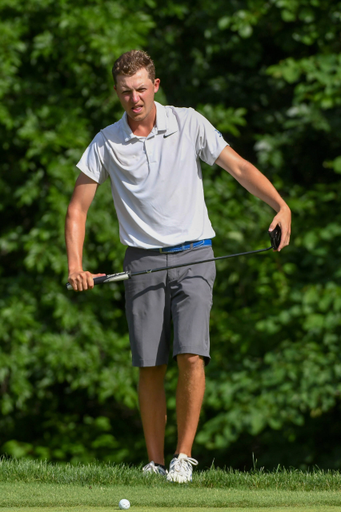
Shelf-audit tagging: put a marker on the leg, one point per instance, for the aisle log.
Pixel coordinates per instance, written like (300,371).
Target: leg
(152,400)
(148,315)
(191,290)
(189,397)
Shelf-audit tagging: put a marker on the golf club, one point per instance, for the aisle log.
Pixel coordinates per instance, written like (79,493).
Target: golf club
(275,237)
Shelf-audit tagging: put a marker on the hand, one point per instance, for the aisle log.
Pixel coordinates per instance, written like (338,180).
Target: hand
(82,280)
(283,218)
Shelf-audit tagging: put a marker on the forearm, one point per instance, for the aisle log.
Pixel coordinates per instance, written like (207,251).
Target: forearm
(250,178)
(81,200)
(258,185)
(74,238)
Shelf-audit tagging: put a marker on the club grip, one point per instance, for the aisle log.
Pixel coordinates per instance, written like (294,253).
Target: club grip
(275,237)
(99,280)
(119,276)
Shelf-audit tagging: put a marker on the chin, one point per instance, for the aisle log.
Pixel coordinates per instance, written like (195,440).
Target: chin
(137,117)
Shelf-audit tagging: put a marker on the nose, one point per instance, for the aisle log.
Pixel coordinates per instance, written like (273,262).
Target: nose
(134,97)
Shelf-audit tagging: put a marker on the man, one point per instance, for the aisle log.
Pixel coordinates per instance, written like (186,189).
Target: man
(152,158)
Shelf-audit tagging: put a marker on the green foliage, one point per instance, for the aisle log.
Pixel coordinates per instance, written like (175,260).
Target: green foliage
(56,92)
(267,75)
(276,319)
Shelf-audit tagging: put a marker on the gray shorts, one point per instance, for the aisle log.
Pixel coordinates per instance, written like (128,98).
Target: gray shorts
(182,296)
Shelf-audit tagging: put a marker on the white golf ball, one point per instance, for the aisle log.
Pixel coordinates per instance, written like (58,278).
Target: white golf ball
(124,504)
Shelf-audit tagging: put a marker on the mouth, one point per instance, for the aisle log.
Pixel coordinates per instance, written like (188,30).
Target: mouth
(137,109)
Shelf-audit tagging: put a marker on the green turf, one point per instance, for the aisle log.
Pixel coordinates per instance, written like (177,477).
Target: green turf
(32,486)
(167,509)
(174,496)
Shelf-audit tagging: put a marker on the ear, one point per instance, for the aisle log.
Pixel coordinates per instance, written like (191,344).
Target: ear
(156,84)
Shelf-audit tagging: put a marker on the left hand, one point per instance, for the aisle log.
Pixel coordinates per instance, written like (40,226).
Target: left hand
(283,218)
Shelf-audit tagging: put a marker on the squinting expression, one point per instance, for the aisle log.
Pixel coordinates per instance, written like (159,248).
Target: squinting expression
(136,94)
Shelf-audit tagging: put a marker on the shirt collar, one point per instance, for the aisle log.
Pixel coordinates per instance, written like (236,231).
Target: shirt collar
(164,123)
(165,120)
(127,133)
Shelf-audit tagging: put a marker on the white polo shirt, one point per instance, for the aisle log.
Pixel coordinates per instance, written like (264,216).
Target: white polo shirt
(156,181)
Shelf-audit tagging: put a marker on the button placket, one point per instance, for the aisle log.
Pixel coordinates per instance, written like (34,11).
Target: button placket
(149,149)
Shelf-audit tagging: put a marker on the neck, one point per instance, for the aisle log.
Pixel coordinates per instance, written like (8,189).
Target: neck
(144,127)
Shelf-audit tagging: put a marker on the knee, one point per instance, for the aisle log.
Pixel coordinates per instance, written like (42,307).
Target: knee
(152,373)
(189,361)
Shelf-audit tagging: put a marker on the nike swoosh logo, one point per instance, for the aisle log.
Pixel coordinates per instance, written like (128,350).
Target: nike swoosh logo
(167,135)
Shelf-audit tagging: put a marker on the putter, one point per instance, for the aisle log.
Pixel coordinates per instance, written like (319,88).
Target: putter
(275,237)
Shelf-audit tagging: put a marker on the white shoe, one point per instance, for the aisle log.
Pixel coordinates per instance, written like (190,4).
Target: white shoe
(151,467)
(180,469)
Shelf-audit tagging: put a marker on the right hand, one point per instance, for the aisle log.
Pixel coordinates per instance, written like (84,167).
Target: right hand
(82,280)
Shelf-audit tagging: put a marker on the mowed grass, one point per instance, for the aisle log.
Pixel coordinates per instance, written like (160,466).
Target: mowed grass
(177,509)
(32,486)
(172,497)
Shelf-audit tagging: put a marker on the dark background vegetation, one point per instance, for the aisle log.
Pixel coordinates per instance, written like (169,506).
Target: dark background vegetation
(268,75)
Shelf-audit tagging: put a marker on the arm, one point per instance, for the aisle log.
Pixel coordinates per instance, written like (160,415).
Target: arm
(81,200)
(258,185)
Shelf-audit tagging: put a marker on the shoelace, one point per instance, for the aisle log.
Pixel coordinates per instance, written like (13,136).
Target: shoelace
(187,462)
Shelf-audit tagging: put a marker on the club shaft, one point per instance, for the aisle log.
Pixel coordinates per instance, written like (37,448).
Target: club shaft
(152,270)
(128,274)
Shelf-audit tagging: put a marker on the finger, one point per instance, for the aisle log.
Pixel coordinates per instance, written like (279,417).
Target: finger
(74,284)
(91,282)
(77,287)
(81,283)
(273,224)
(88,281)
(285,238)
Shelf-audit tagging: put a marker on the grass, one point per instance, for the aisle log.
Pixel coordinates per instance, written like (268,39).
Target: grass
(101,474)
(173,497)
(28,485)
(181,509)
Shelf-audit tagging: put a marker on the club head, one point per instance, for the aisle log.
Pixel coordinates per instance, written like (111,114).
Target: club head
(275,237)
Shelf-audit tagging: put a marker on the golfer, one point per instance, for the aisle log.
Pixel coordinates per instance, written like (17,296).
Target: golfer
(152,157)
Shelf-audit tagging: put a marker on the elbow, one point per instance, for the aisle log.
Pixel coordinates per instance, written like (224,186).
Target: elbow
(241,169)
(74,213)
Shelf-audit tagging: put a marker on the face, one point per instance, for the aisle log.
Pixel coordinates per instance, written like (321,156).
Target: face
(136,94)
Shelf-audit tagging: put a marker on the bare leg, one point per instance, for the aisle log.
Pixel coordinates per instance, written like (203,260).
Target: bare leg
(189,397)
(152,400)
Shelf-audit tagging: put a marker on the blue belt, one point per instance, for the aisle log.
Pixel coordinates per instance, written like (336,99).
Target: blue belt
(187,245)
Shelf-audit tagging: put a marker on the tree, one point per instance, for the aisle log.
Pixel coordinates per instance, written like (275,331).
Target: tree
(267,75)
(273,69)
(65,358)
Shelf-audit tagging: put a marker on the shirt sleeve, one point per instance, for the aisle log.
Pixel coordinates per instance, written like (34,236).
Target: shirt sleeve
(92,161)
(209,140)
